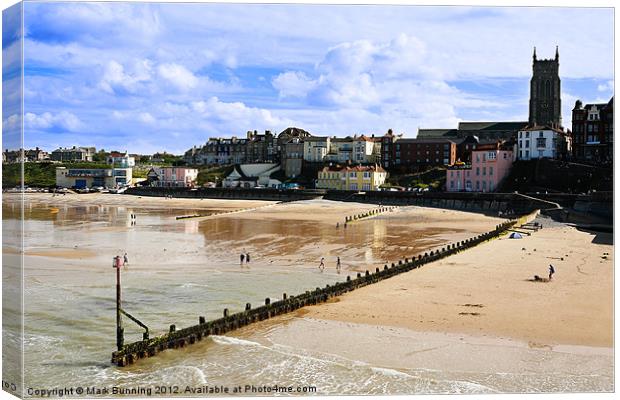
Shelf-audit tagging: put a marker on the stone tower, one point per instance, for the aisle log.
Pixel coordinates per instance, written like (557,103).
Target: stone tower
(545,103)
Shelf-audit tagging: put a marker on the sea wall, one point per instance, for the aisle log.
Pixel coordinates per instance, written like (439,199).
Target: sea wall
(229,322)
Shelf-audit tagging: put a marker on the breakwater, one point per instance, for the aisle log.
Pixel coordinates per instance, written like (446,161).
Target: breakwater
(368,214)
(149,347)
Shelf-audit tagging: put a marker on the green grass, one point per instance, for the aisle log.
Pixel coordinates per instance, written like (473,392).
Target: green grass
(434,178)
(212,174)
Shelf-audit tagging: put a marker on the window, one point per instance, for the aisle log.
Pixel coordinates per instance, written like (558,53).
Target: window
(490,171)
(491,155)
(527,143)
(352,174)
(452,184)
(484,186)
(527,134)
(541,142)
(484,170)
(527,154)
(477,185)
(477,171)
(541,134)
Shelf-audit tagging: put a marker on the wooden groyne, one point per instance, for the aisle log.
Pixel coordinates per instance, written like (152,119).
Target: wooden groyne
(368,214)
(149,347)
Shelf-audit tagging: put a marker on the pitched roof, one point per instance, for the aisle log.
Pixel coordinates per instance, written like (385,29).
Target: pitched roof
(360,168)
(435,133)
(542,128)
(492,126)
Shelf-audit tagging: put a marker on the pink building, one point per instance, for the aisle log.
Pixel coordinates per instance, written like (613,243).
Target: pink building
(172,176)
(487,170)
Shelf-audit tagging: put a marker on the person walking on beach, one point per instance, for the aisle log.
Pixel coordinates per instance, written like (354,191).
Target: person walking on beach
(242,258)
(125,259)
(247,258)
(322,264)
(551,271)
(338,265)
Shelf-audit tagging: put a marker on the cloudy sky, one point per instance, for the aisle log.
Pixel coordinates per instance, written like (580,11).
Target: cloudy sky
(147,77)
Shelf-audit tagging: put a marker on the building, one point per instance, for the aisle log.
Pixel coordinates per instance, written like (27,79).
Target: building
(172,176)
(341,150)
(35,155)
(485,173)
(593,132)
(316,149)
(261,148)
(366,150)
(545,101)
(121,160)
(73,154)
(81,178)
(292,157)
(253,175)
(220,151)
(542,142)
(413,154)
(13,156)
(359,177)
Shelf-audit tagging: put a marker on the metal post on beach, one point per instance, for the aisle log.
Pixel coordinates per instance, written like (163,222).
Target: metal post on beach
(119,321)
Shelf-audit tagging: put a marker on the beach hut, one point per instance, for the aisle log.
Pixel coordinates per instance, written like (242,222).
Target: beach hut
(516,235)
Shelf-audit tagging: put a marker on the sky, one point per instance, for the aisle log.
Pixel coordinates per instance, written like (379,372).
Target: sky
(147,77)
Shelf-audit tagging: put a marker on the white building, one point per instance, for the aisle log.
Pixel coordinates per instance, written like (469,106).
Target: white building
(365,150)
(252,175)
(540,142)
(121,160)
(316,148)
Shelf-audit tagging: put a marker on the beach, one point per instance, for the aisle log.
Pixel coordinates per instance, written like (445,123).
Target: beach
(488,291)
(470,323)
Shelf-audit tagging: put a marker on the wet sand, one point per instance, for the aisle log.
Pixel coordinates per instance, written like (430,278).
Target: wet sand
(486,291)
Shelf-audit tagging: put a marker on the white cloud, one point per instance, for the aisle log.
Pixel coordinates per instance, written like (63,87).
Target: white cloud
(146,118)
(293,84)
(179,76)
(606,87)
(46,121)
(11,122)
(115,77)
(235,113)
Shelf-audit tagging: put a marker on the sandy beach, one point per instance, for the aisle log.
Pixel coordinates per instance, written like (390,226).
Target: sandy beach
(472,323)
(486,291)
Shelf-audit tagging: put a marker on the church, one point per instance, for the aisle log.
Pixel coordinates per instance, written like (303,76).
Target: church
(545,116)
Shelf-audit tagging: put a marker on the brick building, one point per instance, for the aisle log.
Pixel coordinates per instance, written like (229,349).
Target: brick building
(593,132)
(414,154)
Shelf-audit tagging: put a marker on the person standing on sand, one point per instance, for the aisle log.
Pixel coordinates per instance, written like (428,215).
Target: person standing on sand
(338,265)
(322,264)
(551,271)
(242,258)
(247,258)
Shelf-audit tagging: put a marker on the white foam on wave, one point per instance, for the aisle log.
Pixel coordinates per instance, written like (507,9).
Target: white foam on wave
(391,372)
(229,340)
(470,387)
(189,285)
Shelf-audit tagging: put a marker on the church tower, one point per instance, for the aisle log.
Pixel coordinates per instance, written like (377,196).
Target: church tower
(545,103)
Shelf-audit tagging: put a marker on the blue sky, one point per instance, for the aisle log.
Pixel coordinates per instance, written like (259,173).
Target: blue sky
(146,77)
